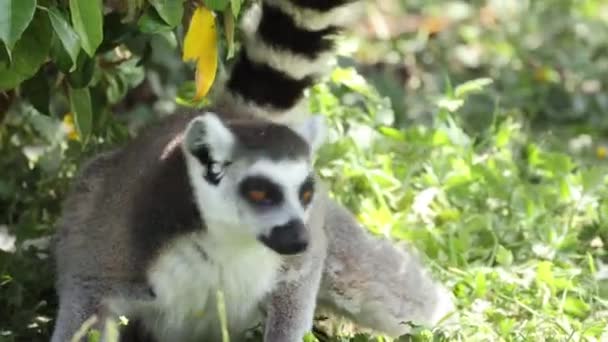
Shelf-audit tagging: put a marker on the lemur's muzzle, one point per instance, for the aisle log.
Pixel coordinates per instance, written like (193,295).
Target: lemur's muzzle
(289,238)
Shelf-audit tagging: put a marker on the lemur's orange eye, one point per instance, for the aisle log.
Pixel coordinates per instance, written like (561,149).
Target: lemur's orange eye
(306,196)
(307,190)
(257,195)
(260,192)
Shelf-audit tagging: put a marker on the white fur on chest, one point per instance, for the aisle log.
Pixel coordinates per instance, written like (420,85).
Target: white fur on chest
(188,275)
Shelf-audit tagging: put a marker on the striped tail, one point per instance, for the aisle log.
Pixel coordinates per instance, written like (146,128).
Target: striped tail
(288,46)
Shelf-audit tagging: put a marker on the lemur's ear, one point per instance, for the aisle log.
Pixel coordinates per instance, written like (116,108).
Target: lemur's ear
(313,129)
(211,143)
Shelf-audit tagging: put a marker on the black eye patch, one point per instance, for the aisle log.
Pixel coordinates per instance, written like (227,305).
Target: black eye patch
(261,191)
(307,191)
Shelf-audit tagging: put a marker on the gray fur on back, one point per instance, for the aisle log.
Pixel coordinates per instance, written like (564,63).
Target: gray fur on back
(128,204)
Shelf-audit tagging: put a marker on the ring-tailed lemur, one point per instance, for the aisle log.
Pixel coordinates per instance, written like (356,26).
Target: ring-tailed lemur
(203,202)
(289,44)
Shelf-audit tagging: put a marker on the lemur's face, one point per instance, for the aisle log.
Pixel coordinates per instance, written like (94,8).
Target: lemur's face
(254,181)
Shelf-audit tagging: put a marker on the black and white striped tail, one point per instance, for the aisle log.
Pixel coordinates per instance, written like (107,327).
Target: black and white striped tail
(288,45)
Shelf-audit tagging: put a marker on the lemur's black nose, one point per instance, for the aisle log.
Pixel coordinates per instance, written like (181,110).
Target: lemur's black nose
(289,238)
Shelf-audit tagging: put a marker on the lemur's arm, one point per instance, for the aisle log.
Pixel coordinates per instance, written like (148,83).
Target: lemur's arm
(291,306)
(76,306)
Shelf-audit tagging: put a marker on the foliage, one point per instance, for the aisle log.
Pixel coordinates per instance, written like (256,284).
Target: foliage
(514,228)
(94,53)
(547,58)
(509,214)
(72,83)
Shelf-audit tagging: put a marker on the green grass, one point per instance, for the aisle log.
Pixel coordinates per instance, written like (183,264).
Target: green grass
(514,225)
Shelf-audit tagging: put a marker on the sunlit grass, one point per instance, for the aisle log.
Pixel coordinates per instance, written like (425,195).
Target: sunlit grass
(513,223)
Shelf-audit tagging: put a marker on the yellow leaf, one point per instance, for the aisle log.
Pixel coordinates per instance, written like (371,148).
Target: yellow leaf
(68,124)
(434,25)
(602,152)
(200,45)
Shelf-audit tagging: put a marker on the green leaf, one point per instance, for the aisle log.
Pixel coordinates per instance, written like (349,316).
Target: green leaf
(29,53)
(48,127)
(217,5)
(116,88)
(5,57)
(235,5)
(576,307)
(87,19)
(171,11)
(229,33)
(67,35)
(133,7)
(59,56)
(593,178)
(481,286)
(80,104)
(472,86)
(309,337)
(450,104)
(37,91)
(151,22)
(392,133)
(94,336)
(82,76)
(504,256)
(544,273)
(15,16)
(185,96)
